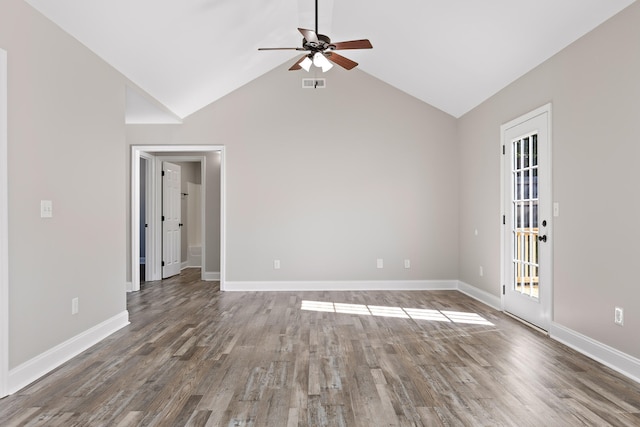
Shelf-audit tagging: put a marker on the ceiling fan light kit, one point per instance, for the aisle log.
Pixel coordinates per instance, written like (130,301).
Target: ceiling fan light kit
(320,61)
(321,51)
(306,63)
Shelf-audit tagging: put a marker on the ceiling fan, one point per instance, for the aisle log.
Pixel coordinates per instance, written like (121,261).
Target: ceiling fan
(322,51)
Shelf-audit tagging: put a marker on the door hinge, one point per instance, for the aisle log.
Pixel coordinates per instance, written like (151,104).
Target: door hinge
(163,263)
(163,217)
(162,173)
(504,219)
(504,289)
(503,150)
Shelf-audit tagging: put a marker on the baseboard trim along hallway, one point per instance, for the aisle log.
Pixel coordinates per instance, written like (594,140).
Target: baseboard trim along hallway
(618,361)
(347,285)
(26,373)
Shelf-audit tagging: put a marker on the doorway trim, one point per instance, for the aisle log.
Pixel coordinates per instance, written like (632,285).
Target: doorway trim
(137,151)
(547,302)
(149,237)
(4,230)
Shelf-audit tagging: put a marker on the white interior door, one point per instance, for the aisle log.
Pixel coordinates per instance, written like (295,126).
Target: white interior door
(526,248)
(171,220)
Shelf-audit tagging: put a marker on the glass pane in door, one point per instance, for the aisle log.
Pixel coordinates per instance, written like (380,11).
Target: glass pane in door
(524,172)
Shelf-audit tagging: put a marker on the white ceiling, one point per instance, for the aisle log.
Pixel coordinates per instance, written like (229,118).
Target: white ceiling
(452,54)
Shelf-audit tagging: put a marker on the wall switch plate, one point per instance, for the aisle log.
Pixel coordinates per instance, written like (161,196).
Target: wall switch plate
(74,306)
(46,209)
(379,263)
(619,316)
(556,209)
(276,264)
(481,271)
(407,263)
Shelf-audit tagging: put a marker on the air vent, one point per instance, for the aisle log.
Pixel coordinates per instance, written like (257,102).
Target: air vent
(314,83)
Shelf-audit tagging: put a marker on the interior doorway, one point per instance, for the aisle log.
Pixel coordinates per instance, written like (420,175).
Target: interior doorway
(153,247)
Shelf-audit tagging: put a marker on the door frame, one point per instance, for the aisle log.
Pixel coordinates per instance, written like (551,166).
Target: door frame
(4,230)
(546,298)
(149,237)
(170,151)
(158,206)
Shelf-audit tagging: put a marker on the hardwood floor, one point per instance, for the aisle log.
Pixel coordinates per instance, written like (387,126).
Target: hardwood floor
(193,356)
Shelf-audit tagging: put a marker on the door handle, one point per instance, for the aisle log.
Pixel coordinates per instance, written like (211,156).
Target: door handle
(542,238)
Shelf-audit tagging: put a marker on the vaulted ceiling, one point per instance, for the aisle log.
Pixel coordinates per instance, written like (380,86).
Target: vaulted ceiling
(452,54)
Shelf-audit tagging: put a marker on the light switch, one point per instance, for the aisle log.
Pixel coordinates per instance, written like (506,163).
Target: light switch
(556,209)
(46,209)
(380,263)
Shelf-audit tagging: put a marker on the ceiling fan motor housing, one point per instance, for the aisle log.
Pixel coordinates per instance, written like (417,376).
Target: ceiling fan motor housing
(324,43)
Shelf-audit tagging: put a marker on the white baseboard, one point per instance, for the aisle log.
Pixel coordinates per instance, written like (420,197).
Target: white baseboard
(485,297)
(349,285)
(211,276)
(621,362)
(31,370)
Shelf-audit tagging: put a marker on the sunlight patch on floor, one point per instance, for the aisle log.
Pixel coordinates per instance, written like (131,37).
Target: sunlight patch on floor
(403,313)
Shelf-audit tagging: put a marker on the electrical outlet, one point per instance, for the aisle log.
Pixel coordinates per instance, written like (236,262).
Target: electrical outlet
(46,209)
(74,306)
(619,316)
(380,263)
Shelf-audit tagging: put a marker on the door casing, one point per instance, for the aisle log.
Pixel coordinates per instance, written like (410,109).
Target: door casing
(167,152)
(546,298)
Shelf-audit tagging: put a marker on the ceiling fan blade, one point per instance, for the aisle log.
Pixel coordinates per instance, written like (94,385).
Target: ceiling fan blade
(353,44)
(280,48)
(297,66)
(341,60)
(309,35)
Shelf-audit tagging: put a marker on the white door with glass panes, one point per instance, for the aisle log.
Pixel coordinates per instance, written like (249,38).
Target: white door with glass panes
(526,220)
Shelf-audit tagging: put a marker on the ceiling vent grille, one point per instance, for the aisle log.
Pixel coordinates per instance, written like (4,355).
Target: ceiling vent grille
(314,83)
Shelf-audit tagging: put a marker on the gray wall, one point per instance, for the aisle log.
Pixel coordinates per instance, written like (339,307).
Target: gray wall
(594,86)
(66,144)
(329,180)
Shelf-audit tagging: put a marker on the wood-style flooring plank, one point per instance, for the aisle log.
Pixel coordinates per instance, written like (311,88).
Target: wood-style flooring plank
(193,356)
